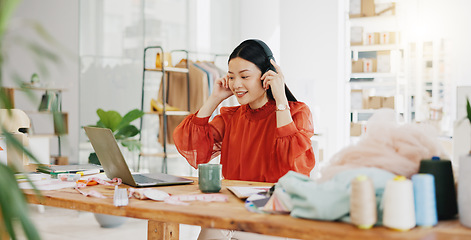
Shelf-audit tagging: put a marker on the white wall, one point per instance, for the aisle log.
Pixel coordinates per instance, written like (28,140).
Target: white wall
(313,54)
(459,34)
(221,33)
(261,19)
(62,24)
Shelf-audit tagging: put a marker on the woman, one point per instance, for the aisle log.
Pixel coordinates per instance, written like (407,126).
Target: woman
(260,140)
(263,138)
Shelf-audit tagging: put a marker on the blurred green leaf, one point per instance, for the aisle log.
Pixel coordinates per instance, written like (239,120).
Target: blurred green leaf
(129,117)
(5,102)
(468,109)
(93,158)
(131,144)
(127,132)
(7,8)
(13,206)
(121,126)
(110,119)
(18,81)
(41,31)
(60,127)
(17,208)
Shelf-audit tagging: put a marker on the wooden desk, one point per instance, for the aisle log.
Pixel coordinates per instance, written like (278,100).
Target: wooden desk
(164,218)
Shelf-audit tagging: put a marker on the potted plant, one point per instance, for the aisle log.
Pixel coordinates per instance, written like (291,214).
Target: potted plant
(121,126)
(124,133)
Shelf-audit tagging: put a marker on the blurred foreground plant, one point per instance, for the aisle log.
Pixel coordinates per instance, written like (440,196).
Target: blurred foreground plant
(13,206)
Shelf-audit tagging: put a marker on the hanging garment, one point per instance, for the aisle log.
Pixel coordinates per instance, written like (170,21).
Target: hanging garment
(213,73)
(208,74)
(177,96)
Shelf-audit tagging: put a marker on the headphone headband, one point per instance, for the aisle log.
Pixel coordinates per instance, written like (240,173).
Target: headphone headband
(267,51)
(265,47)
(269,54)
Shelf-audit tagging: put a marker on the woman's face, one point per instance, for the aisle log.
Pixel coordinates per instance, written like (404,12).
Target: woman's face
(245,83)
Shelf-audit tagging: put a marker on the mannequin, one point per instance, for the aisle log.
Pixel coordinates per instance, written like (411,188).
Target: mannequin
(13,121)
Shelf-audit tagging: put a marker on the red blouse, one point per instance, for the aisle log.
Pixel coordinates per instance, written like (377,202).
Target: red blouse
(252,148)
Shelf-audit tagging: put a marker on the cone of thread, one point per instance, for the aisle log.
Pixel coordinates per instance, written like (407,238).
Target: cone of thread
(424,198)
(447,206)
(363,203)
(399,212)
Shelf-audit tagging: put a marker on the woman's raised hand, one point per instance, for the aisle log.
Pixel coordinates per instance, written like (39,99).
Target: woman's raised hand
(221,88)
(276,81)
(220,92)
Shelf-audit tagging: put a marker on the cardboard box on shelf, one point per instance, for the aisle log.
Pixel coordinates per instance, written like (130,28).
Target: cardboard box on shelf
(356,36)
(383,59)
(355,129)
(355,8)
(375,102)
(365,93)
(368,8)
(436,113)
(356,99)
(369,65)
(60,160)
(387,38)
(371,38)
(388,102)
(385,9)
(357,66)
(362,8)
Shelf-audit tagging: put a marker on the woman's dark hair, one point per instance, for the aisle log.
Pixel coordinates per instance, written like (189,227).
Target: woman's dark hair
(253,52)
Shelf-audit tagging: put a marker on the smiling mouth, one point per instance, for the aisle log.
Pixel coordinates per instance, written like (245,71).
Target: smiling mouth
(240,94)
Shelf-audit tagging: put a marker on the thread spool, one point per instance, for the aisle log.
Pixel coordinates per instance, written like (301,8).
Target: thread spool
(398,197)
(424,198)
(464,191)
(445,192)
(363,202)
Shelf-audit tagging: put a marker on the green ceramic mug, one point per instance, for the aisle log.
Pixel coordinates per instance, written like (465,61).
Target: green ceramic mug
(209,177)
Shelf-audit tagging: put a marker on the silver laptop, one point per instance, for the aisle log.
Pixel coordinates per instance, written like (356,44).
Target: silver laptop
(113,162)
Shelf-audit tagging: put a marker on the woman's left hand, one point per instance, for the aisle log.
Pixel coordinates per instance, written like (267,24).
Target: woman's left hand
(276,81)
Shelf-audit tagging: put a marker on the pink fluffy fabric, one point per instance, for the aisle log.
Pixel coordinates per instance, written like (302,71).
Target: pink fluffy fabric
(389,146)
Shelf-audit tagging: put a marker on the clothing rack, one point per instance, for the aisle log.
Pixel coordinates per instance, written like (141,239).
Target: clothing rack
(165,94)
(214,55)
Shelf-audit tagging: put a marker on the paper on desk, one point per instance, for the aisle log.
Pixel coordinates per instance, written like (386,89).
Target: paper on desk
(183,199)
(245,192)
(50,184)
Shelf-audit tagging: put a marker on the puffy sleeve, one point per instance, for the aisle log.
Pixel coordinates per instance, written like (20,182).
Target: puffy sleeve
(293,149)
(199,140)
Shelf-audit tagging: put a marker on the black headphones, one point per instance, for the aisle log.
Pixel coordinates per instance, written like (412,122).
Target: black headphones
(268,52)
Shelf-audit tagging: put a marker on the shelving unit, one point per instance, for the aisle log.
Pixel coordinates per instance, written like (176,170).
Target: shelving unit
(164,90)
(432,89)
(377,78)
(46,108)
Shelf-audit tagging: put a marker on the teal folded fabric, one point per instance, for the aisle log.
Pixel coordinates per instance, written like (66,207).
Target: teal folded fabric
(329,200)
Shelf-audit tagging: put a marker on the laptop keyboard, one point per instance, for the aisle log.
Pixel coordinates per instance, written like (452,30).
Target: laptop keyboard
(144,179)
